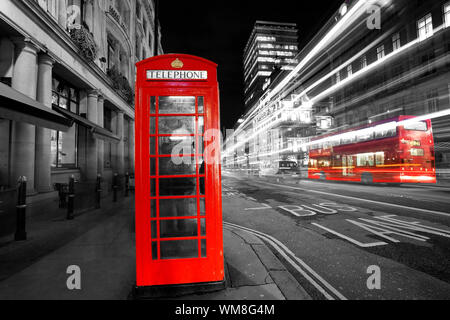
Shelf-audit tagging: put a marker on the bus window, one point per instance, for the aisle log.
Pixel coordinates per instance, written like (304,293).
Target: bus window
(365,135)
(324,163)
(365,160)
(386,130)
(416,126)
(348,138)
(337,161)
(379,158)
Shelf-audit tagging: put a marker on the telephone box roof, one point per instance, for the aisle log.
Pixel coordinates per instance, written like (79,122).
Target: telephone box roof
(172,56)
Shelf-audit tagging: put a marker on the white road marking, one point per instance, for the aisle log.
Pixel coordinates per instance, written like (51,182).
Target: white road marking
(360,199)
(339,207)
(359,244)
(384,231)
(415,226)
(266,206)
(324,209)
(277,245)
(294,209)
(386,226)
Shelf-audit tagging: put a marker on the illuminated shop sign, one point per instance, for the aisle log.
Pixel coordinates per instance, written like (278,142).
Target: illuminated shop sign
(176,75)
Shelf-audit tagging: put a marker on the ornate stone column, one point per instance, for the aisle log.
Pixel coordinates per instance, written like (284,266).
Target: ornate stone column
(89,14)
(121,144)
(131,146)
(62,13)
(101,143)
(23,135)
(92,152)
(43,135)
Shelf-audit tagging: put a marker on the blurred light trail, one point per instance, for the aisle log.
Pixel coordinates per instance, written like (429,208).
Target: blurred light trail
(355,76)
(350,17)
(430,116)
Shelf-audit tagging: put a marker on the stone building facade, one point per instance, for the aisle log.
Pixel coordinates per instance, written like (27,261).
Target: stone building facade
(72,60)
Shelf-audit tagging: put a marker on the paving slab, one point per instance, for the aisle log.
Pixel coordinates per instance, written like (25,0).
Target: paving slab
(244,266)
(270,261)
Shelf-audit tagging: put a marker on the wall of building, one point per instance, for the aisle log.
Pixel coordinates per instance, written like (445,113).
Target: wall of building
(41,33)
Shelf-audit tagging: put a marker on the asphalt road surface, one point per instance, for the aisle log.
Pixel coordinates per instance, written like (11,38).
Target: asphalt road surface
(348,240)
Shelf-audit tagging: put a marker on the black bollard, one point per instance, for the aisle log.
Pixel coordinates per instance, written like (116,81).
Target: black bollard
(98,192)
(127,184)
(21,233)
(70,204)
(115,186)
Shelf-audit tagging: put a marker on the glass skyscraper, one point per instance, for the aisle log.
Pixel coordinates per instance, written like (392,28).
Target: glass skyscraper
(271,48)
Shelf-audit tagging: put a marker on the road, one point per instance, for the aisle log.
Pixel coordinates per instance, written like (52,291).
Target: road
(347,240)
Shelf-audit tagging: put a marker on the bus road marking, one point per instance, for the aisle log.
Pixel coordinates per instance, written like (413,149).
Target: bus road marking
(356,242)
(388,225)
(326,208)
(295,209)
(361,199)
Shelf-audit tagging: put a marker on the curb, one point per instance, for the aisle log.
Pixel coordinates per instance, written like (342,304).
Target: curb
(283,279)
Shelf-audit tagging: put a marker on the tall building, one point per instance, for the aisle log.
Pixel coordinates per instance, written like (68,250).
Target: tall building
(271,48)
(67,72)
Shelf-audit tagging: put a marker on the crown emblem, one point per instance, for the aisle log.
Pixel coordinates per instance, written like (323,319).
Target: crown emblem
(177,63)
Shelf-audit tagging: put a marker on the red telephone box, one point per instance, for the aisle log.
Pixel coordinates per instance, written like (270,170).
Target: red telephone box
(179,236)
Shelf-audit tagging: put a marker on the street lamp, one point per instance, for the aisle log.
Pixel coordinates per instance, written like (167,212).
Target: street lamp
(343,10)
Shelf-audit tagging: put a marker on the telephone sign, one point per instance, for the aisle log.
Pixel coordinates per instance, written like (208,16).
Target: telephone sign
(176,75)
(179,237)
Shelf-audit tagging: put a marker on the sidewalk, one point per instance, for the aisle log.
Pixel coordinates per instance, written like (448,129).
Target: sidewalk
(104,250)
(253,272)
(100,242)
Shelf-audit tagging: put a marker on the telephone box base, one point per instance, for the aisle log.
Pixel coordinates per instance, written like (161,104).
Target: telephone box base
(173,291)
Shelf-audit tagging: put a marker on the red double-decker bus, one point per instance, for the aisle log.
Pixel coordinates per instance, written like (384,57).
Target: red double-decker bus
(398,150)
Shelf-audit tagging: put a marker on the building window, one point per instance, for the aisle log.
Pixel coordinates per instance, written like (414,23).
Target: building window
(363,62)
(138,10)
(111,56)
(349,70)
(425,27)
(64,144)
(380,52)
(338,77)
(396,41)
(432,101)
(49,6)
(447,14)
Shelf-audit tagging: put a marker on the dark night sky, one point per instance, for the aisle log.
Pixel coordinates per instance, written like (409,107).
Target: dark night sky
(218,30)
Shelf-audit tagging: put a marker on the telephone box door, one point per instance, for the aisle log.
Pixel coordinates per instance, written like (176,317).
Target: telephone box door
(178,191)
